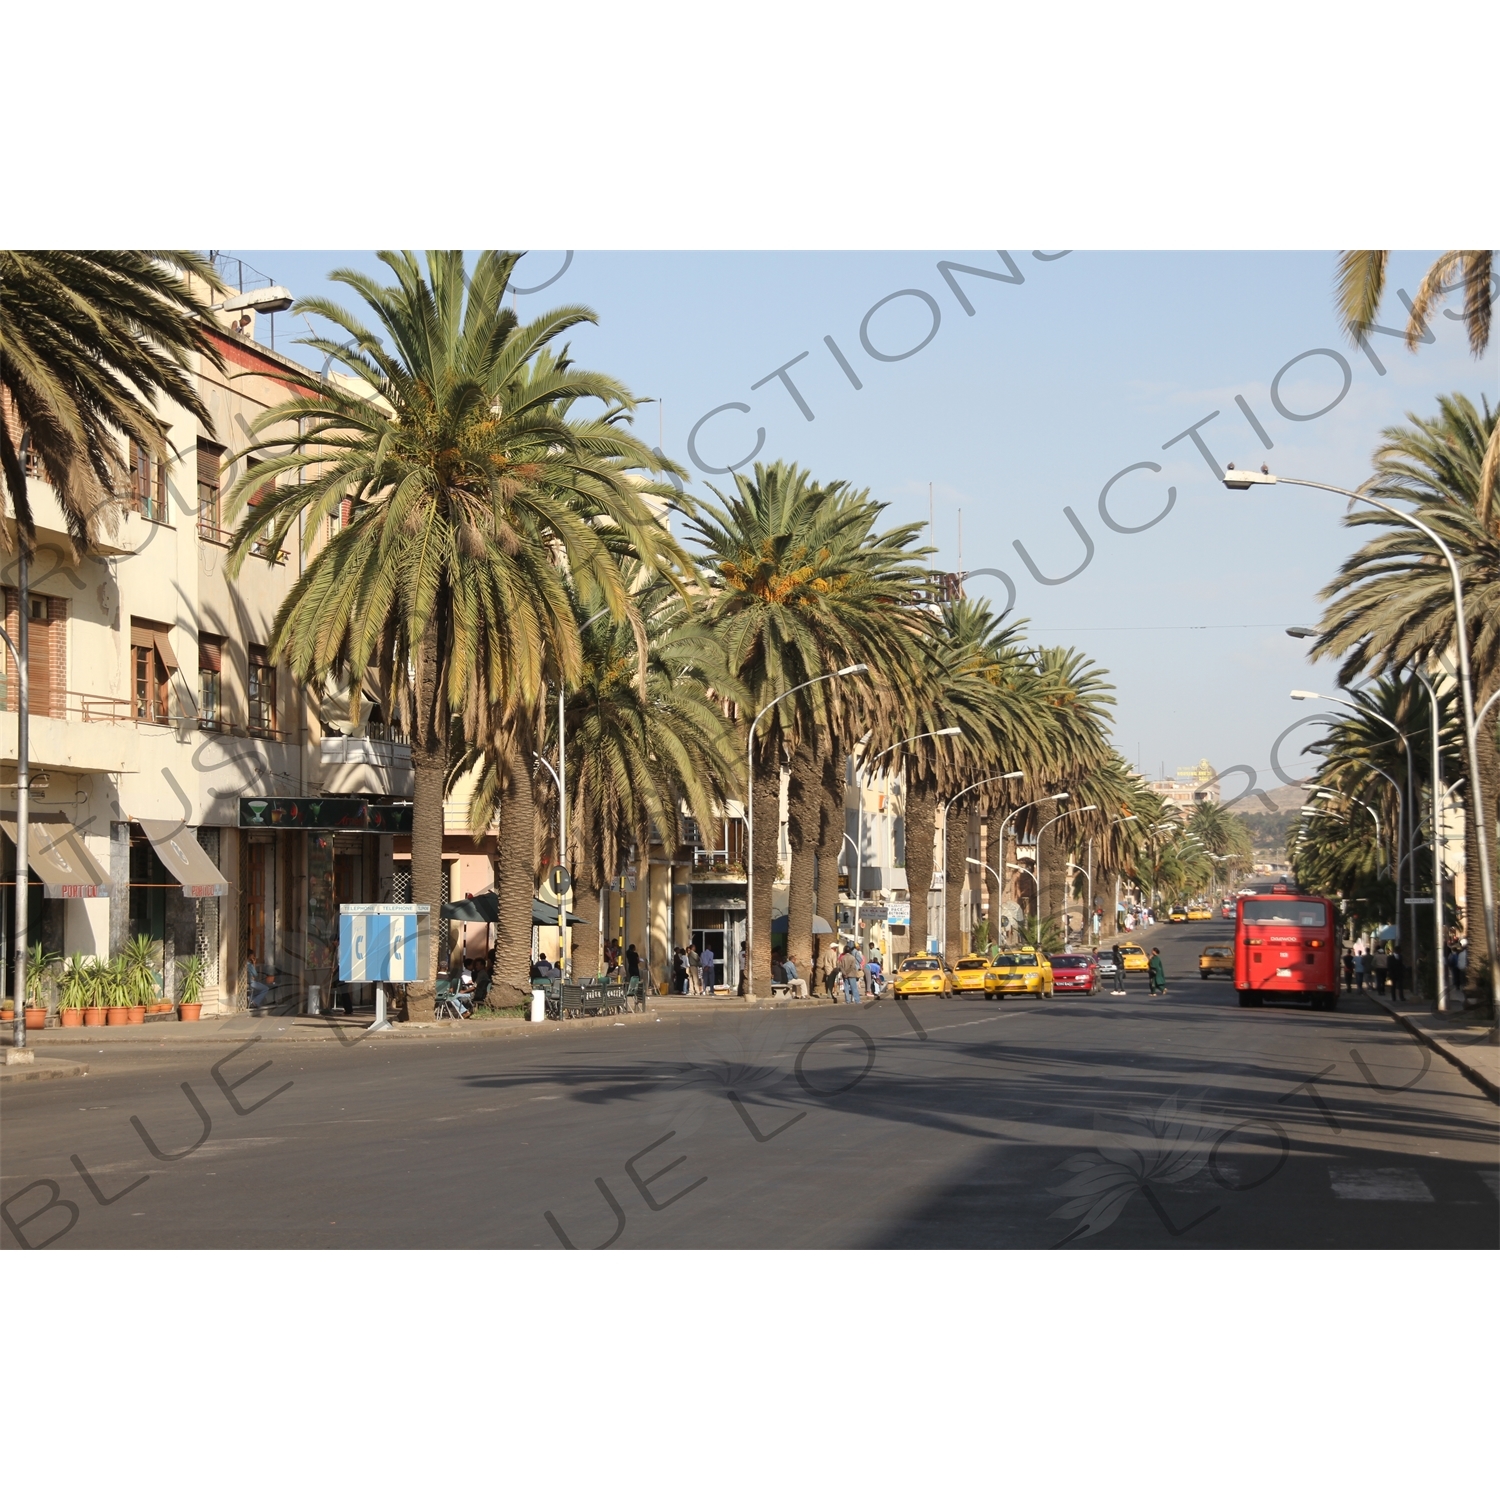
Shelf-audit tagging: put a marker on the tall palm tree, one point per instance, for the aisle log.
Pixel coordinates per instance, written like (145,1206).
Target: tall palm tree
(799,584)
(1391,604)
(1360,285)
(90,342)
(470,481)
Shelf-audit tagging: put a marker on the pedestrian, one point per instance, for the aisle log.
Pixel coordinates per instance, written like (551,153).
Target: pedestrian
(1348,971)
(679,972)
(1119,988)
(1381,963)
(849,970)
(706,978)
(743,987)
(1361,962)
(874,974)
(1397,972)
(1158,972)
(632,965)
(1461,965)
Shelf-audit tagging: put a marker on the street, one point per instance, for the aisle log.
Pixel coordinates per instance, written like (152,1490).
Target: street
(1093,1122)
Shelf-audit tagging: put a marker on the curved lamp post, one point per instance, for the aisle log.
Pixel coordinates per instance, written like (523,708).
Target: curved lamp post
(947,808)
(1067,813)
(852,671)
(1242,479)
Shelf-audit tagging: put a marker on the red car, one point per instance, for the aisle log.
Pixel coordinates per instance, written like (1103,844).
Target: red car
(1075,972)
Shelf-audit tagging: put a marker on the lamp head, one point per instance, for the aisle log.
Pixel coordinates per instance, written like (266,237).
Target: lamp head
(1302,632)
(1092,807)
(854,671)
(1242,479)
(1302,694)
(1059,797)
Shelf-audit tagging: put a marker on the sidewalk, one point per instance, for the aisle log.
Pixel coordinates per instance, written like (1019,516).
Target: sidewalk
(1473,1047)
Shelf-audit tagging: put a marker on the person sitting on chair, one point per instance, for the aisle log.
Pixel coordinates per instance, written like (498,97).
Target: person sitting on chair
(260,989)
(794,982)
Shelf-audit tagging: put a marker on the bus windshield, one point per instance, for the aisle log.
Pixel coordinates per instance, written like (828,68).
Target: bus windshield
(1287,913)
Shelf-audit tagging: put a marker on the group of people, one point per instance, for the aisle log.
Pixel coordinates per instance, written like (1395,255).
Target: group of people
(1374,968)
(694,970)
(1156,972)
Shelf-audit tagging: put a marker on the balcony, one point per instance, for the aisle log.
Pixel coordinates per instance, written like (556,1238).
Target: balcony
(86,733)
(716,865)
(208,532)
(373,762)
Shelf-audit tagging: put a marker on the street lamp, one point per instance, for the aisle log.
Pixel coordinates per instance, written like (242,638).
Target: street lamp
(1242,479)
(947,812)
(22,657)
(1088,877)
(862,781)
(1092,807)
(1010,817)
(852,671)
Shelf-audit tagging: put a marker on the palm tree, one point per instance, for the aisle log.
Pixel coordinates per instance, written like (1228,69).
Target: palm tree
(1361,284)
(1391,604)
(800,584)
(89,342)
(467,480)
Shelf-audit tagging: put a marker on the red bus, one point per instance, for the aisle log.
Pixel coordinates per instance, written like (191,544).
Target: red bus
(1286,944)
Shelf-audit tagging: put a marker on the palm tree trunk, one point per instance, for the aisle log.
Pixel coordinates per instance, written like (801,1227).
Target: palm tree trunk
(831,826)
(921,817)
(515,881)
(585,938)
(1051,856)
(766,790)
(994,857)
(955,870)
(429,763)
(804,810)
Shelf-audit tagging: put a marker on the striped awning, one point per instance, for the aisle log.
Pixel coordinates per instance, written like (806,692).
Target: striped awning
(55,850)
(186,861)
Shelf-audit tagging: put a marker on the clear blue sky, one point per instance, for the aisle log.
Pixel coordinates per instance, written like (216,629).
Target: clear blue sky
(1091,364)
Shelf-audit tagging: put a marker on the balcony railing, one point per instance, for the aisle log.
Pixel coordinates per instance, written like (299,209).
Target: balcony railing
(716,864)
(208,532)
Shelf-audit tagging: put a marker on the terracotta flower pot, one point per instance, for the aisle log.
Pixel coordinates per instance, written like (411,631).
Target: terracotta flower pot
(118,1015)
(137,1015)
(95,1015)
(70,1017)
(36,1017)
(190,1012)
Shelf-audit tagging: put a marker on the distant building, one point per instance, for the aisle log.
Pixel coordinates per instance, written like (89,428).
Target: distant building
(1190,786)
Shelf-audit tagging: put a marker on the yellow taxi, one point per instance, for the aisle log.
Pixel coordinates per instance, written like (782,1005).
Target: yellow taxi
(1178,914)
(1216,959)
(1135,958)
(1021,971)
(968,974)
(924,974)
(1199,914)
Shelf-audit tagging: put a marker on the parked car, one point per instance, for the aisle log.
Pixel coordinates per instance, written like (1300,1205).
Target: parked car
(968,974)
(1020,971)
(925,974)
(1075,973)
(1104,964)
(1199,914)
(1217,958)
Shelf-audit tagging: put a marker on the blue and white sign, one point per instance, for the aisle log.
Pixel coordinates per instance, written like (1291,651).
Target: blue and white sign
(383,944)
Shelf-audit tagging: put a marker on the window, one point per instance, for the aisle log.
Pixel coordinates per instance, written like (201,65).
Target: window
(210,681)
(148,484)
(1290,913)
(46,654)
(262,691)
(152,663)
(210,466)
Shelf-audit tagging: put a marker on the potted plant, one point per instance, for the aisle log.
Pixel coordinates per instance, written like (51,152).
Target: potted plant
(191,975)
(138,964)
(117,993)
(96,989)
(38,978)
(74,993)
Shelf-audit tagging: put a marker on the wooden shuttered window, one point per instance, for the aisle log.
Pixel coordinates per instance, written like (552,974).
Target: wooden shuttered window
(46,654)
(147,485)
(210,471)
(210,681)
(152,661)
(262,691)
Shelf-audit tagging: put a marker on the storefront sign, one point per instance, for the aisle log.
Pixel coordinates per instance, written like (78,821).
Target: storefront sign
(352,814)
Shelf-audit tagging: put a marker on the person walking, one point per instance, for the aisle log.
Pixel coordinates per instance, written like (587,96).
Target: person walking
(1119,988)
(707,980)
(1158,972)
(1348,971)
(1397,972)
(830,969)
(849,970)
(679,973)
(1382,963)
(690,961)
(1361,963)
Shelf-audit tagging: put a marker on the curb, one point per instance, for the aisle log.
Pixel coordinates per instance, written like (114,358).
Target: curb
(31,1072)
(1485,1085)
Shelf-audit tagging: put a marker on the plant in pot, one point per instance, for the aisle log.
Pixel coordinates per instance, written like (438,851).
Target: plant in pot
(192,974)
(41,966)
(96,993)
(119,998)
(139,961)
(74,992)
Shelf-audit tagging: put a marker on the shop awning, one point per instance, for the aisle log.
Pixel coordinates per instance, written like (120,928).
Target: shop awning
(56,853)
(177,847)
(486,908)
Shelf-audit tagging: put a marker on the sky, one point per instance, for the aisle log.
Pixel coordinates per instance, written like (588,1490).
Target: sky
(1071,370)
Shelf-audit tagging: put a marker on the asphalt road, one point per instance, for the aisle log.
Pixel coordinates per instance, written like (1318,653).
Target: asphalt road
(1086,1122)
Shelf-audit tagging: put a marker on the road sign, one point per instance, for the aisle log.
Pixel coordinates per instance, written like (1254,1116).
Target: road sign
(559,882)
(898,913)
(1419,900)
(384,944)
